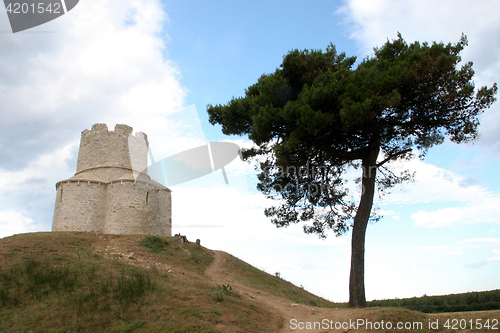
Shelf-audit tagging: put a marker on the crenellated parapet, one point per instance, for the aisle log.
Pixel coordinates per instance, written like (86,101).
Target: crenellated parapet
(112,154)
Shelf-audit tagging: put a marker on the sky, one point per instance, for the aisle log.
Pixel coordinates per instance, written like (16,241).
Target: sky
(155,65)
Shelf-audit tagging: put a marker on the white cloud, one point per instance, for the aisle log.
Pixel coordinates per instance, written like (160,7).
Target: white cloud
(371,23)
(462,199)
(390,213)
(30,190)
(435,184)
(441,218)
(455,253)
(427,247)
(239,216)
(480,241)
(477,264)
(104,62)
(12,222)
(475,211)
(495,258)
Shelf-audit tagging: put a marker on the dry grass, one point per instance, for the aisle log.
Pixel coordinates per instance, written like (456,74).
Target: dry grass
(257,279)
(83,282)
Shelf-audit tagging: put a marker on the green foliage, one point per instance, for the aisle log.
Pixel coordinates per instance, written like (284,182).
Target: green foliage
(474,301)
(192,256)
(221,291)
(317,116)
(155,243)
(320,114)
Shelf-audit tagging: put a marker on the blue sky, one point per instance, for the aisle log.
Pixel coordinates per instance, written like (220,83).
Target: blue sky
(155,65)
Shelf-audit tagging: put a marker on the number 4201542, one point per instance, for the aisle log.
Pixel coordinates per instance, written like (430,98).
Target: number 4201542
(24,8)
(455,324)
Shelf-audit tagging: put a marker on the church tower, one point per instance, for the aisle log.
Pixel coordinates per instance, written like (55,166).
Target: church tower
(111,192)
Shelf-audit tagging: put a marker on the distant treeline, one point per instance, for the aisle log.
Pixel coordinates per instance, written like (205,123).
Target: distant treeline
(473,301)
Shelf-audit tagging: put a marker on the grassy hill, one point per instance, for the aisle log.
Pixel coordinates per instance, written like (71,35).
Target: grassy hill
(85,282)
(252,277)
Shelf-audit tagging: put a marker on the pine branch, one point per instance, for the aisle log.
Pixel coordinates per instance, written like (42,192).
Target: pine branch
(392,156)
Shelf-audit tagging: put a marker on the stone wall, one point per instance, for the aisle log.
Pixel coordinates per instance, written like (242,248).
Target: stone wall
(79,206)
(137,209)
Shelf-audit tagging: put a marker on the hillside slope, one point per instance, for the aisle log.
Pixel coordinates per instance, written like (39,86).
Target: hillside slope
(86,282)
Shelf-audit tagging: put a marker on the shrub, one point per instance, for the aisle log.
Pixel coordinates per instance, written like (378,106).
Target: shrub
(155,243)
(221,291)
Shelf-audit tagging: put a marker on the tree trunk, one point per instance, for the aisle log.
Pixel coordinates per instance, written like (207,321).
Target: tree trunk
(357,297)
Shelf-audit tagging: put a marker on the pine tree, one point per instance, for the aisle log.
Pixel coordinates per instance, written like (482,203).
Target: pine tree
(318,116)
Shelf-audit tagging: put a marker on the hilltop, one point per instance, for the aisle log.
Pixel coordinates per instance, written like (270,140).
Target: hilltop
(87,282)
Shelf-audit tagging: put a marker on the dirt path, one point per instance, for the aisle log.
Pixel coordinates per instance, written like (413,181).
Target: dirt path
(125,248)
(121,248)
(289,310)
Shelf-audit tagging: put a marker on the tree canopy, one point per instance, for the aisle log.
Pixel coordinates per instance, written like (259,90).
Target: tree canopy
(318,115)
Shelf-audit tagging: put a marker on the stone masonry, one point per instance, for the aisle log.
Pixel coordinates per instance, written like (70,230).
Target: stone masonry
(111,192)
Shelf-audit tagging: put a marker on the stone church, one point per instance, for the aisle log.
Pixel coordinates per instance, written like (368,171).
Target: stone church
(111,192)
